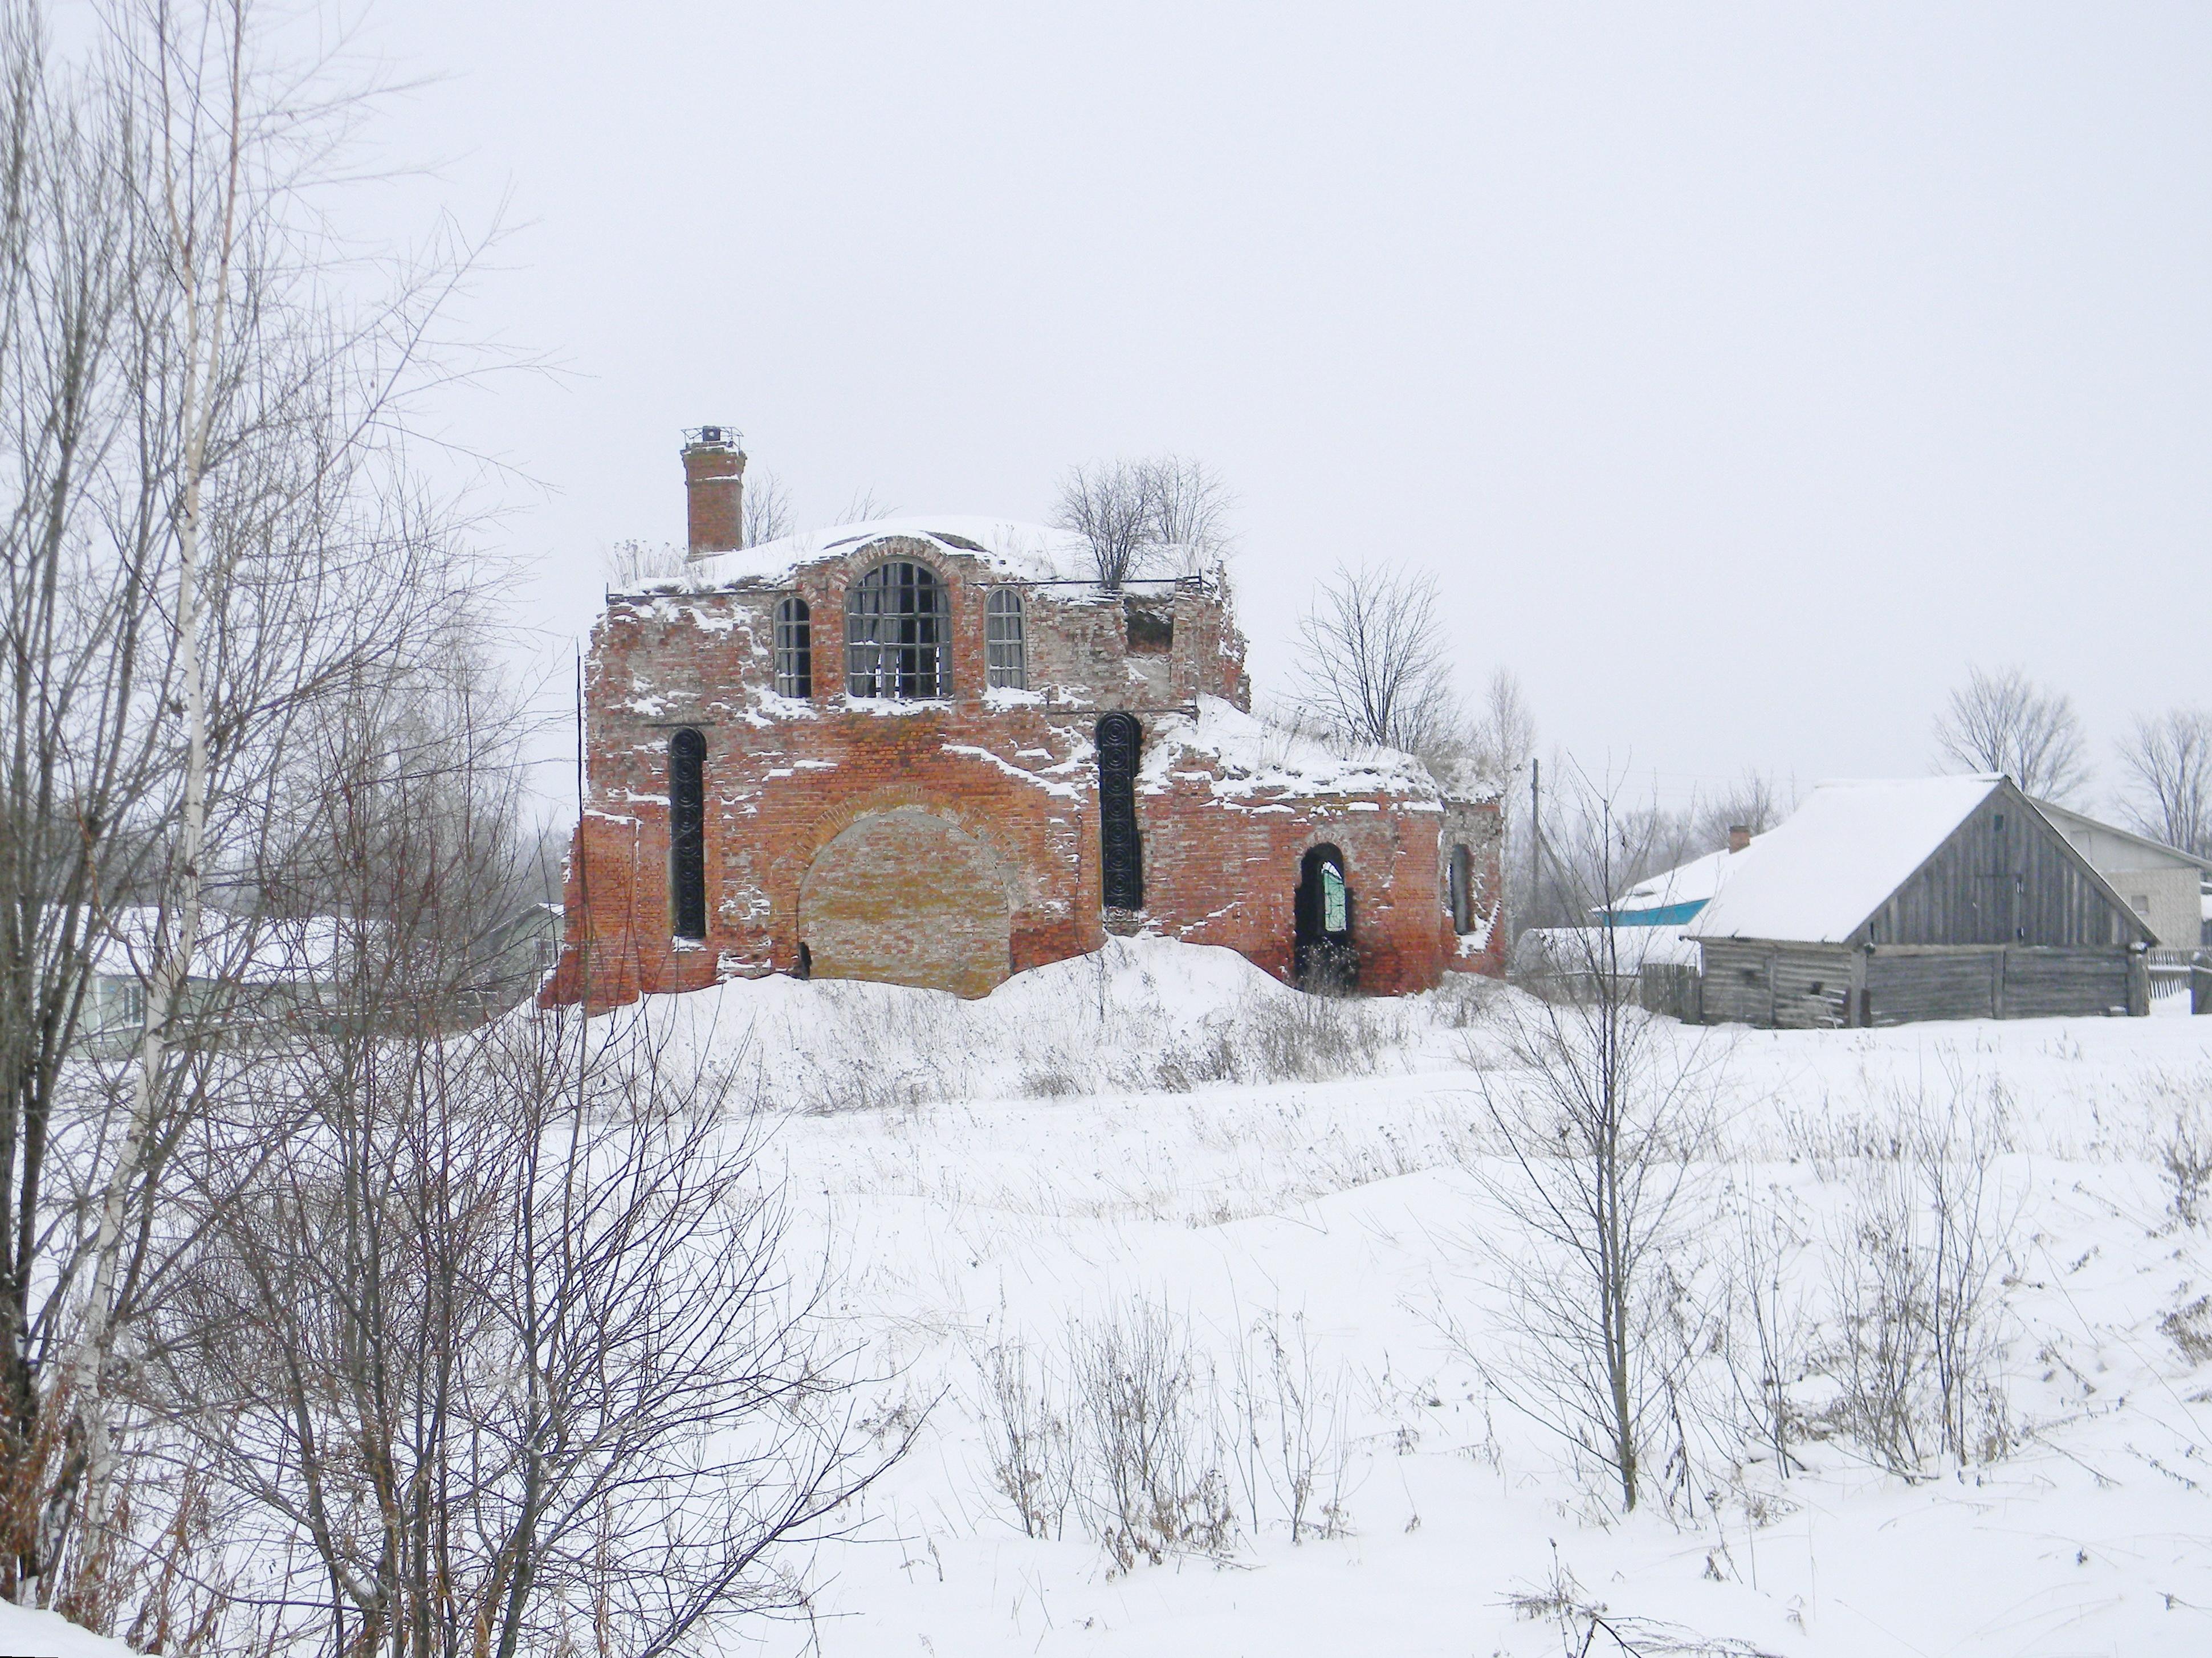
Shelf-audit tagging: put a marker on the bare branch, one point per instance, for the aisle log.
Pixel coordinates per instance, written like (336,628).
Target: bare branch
(2002,722)
(2167,780)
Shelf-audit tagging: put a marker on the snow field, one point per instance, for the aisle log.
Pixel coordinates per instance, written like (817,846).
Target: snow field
(1161,1140)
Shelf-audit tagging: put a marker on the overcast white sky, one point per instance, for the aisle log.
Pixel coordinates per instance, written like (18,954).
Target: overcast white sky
(1744,371)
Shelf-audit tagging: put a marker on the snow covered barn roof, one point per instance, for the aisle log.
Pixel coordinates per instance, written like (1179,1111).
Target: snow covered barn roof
(1020,552)
(1838,857)
(1674,895)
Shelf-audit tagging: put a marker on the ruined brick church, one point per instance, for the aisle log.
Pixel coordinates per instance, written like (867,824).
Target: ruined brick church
(938,751)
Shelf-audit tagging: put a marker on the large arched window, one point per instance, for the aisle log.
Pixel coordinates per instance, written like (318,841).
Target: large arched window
(794,649)
(1007,658)
(687,833)
(898,633)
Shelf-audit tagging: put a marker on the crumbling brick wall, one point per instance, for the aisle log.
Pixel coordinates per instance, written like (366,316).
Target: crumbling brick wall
(962,836)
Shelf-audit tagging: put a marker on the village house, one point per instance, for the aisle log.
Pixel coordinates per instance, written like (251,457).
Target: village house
(2167,887)
(939,750)
(1878,904)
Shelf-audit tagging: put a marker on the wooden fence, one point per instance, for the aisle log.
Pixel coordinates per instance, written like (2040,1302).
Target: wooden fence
(2181,976)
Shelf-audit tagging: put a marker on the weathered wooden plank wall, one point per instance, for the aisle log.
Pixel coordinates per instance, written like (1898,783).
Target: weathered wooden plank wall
(2004,877)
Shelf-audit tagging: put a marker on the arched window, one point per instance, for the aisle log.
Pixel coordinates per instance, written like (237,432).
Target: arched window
(1008,662)
(687,833)
(1460,883)
(898,633)
(794,649)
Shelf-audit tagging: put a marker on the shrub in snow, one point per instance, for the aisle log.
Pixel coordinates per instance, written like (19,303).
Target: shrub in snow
(2185,1152)
(1141,1391)
(1129,1425)
(1917,1284)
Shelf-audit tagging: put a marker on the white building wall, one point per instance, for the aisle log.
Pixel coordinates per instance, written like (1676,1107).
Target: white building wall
(2167,892)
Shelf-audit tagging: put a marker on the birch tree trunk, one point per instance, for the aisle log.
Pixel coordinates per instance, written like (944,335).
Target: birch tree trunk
(202,301)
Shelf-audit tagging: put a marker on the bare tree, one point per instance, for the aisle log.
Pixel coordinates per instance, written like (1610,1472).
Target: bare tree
(2167,791)
(1756,801)
(512,1355)
(2001,721)
(1165,515)
(1596,1127)
(1502,734)
(865,506)
(203,539)
(1190,507)
(1375,663)
(629,564)
(503,1349)
(768,508)
(1112,507)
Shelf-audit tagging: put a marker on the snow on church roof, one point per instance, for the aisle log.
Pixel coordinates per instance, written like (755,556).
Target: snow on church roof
(1023,552)
(1256,756)
(1819,875)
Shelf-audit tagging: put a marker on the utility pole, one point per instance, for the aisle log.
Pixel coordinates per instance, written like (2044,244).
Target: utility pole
(1535,820)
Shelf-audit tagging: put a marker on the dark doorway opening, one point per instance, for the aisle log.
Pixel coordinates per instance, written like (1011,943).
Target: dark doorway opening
(1323,960)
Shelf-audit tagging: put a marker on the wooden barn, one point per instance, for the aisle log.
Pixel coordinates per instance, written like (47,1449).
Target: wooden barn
(1932,898)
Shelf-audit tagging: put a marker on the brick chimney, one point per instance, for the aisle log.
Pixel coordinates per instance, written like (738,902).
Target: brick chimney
(714,489)
(1739,834)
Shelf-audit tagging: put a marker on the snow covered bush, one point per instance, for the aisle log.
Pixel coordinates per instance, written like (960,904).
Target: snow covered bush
(2185,1152)
(1141,1394)
(1917,1282)
(1032,1450)
(1132,1426)
(1290,1433)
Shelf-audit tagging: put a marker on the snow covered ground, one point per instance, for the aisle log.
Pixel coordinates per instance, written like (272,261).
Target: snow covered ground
(26,1633)
(1154,1133)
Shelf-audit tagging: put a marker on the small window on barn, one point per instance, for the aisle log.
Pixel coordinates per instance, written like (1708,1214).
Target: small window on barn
(898,633)
(794,649)
(1996,823)
(1007,664)
(2140,902)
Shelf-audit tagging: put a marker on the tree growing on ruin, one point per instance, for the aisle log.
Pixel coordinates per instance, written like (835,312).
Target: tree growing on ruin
(1375,661)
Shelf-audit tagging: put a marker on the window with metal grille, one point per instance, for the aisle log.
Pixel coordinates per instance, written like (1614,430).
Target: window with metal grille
(1008,662)
(1120,742)
(898,633)
(687,833)
(794,649)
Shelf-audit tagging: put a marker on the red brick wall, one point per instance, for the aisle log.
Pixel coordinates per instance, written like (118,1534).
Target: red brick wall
(961,837)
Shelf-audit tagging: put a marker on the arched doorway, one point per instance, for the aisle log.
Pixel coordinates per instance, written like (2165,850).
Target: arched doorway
(1323,959)
(903,897)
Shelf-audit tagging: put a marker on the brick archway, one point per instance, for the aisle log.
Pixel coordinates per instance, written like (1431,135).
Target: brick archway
(902,897)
